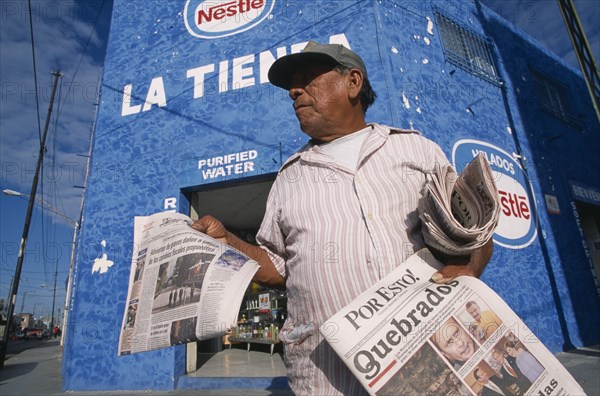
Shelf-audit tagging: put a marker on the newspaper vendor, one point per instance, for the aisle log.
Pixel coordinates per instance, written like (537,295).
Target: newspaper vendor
(342,212)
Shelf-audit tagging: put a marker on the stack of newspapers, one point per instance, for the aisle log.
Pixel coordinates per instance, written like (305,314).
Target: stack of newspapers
(460,212)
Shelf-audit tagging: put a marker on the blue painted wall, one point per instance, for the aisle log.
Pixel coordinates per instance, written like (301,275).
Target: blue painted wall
(149,148)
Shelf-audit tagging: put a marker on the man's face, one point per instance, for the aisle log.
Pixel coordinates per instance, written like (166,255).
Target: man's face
(320,100)
(435,386)
(482,376)
(498,357)
(454,342)
(511,351)
(475,312)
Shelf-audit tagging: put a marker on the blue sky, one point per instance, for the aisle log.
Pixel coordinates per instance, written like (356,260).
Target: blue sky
(62,30)
(71,35)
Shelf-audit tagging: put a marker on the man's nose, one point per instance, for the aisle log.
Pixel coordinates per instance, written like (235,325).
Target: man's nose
(294,92)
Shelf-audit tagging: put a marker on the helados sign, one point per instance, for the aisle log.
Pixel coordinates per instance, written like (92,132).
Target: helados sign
(516,227)
(212,19)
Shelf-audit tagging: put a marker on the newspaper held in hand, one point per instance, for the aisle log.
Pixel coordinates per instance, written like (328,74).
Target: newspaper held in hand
(460,212)
(184,286)
(408,336)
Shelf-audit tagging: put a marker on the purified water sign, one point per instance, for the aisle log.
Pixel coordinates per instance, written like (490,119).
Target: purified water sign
(516,227)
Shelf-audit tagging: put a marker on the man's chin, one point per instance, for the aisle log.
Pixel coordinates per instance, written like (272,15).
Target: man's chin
(310,130)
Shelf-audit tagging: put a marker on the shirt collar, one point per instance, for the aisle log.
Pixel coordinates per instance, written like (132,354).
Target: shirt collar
(379,134)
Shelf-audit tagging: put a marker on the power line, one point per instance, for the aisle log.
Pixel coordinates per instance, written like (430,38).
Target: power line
(84,49)
(37,101)
(18,268)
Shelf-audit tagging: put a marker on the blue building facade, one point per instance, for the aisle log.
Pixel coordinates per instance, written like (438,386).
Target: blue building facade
(186,108)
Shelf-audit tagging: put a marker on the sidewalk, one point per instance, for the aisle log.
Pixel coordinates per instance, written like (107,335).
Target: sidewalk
(584,366)
(33,371)
(36,371)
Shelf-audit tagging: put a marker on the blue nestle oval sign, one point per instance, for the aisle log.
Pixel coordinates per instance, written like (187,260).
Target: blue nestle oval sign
(211,19)
(516,227)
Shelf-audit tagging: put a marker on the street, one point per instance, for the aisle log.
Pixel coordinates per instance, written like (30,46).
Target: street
(31,366)
(18,346)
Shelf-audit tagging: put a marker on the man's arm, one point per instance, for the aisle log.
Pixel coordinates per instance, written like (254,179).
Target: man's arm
(471,266)
(267,274)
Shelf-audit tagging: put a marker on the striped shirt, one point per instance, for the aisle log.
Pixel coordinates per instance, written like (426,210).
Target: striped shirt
(333,232)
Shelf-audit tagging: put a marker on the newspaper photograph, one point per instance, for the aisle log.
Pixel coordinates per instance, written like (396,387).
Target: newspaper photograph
(184,286)
(407,335)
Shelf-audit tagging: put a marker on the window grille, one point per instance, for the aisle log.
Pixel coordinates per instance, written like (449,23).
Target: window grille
(553,97)
(467,49)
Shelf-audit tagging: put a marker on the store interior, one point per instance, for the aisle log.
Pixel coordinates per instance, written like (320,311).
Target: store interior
(252,349)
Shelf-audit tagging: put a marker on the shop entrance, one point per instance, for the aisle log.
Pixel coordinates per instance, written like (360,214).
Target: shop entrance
(240,207)
(589,216)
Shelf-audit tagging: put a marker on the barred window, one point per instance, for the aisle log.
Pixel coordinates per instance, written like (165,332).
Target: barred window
(553,97)
(467,49)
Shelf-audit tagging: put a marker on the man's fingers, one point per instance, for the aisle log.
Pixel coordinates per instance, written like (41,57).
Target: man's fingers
(449,272)
(211,227)
(200,225)
(471,265)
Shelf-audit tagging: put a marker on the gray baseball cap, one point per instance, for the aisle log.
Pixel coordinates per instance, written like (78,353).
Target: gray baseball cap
(282,70)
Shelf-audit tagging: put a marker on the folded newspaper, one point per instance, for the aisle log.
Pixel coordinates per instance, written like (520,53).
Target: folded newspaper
(409,336)
(184,285)
(460,212)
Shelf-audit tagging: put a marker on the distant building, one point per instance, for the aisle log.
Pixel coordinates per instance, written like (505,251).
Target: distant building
(26,320)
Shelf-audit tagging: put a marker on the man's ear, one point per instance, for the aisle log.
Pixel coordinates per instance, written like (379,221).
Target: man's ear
(355,81)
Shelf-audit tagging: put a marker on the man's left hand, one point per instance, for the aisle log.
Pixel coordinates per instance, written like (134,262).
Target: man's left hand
(470,266)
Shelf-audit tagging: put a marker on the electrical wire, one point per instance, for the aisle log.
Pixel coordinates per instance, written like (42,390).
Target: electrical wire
(48,232)
(37,100)
(85,47)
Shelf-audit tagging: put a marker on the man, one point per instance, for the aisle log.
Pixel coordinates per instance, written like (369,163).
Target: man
(454,343)
(524,361)
(511,378)
(342,212)
(487,320)
(489,387)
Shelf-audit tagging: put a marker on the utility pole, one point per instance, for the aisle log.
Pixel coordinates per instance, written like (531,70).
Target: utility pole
(53,297)
(23,302)
(17,276)
(583,52)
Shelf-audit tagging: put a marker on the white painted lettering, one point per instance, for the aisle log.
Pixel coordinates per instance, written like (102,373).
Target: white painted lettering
(170,203)
(198,74)
(241,74)
(156,94)
(127,108)
(233,74)
(266,60)
(340,39)
(223,76)
(228,164)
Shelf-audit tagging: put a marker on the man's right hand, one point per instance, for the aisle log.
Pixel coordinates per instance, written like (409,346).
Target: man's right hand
(267,275)
(211,227)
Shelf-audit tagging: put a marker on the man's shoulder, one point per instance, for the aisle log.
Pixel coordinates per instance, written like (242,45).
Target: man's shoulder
(401,133)
(404,137)
(390,130)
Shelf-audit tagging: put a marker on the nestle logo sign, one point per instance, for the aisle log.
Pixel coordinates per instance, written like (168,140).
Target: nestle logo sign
(211,19)
(516,227)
